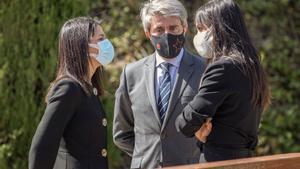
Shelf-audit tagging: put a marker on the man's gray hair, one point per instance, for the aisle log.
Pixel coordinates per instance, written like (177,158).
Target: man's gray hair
(164,8)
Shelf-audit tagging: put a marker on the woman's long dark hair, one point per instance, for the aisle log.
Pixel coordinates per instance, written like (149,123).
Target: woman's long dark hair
(73,58)
(231,40)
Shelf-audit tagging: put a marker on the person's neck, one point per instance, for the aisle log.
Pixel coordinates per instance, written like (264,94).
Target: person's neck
(163,59)
(91,73)
(167,59)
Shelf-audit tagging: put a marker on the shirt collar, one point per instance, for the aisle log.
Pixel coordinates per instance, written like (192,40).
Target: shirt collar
(174,61)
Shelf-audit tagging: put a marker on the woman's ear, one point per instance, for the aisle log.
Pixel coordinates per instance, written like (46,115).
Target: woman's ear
(93,48)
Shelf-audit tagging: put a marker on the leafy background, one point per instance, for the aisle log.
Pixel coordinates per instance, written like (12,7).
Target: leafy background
(28,57)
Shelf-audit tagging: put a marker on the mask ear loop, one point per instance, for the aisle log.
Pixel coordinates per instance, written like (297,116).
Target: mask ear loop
(208,33)
(93,46)
(93,55)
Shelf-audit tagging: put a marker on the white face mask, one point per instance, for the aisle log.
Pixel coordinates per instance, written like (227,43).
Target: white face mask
(106,52)
(203,43)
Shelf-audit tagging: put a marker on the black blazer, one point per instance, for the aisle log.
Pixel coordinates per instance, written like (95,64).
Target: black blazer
(72,132)
(224,95)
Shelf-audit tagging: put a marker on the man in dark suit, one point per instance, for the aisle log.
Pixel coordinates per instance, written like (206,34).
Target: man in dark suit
(154,90)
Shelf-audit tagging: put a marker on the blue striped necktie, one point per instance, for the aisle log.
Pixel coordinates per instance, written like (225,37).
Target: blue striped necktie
(164,90)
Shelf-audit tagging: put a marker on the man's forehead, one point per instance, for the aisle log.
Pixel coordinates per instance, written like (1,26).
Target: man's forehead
(158,20)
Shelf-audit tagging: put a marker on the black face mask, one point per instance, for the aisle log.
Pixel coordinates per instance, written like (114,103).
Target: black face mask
(168,45)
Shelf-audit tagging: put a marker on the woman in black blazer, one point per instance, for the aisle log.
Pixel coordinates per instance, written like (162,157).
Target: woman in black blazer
(234,90)
(72,132)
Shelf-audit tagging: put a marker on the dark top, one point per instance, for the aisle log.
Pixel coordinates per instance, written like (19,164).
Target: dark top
(72,132)
(224,95)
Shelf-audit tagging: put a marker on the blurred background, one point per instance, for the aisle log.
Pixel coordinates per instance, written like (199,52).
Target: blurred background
(28,57)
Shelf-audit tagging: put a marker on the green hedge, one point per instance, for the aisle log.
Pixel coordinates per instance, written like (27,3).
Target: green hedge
(275,28)
(28,57)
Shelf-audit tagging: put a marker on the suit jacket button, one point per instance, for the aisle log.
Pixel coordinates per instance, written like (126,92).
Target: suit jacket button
(162,136)
(104,152)
(104,122)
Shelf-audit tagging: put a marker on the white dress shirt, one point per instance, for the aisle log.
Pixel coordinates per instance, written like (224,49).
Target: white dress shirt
(173,69)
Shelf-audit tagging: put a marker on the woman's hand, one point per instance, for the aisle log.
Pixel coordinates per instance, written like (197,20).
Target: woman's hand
(204,131)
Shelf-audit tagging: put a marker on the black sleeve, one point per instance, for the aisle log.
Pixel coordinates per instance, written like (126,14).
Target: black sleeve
(60,108)
(214,89)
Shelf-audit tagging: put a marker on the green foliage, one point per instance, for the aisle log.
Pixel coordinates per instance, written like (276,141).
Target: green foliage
(276,29)
(28,57)
(28,37)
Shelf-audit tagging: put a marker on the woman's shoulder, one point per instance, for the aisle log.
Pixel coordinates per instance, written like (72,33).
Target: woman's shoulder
(223,68)
(224,63)
(69,84)
(65,87)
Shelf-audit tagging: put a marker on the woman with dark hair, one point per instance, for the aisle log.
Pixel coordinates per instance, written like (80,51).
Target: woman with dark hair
(234,89)
(72,131)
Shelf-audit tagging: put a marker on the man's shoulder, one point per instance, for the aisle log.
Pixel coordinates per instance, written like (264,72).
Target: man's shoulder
(137,66)
(196,58)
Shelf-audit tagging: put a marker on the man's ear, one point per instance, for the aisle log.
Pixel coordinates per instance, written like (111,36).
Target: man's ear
(148,34)
(185,29)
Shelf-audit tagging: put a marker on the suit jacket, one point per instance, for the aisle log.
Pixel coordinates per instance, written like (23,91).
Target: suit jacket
(72,132)
(225,95)
(137,128)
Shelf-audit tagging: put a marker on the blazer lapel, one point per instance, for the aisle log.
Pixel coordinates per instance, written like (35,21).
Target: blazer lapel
(149,73)
(183,75)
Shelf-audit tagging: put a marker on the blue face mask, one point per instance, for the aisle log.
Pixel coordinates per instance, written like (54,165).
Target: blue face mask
(106,52)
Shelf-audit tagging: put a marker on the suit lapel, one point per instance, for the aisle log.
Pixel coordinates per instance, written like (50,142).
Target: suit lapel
(183,75)
(149,73)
